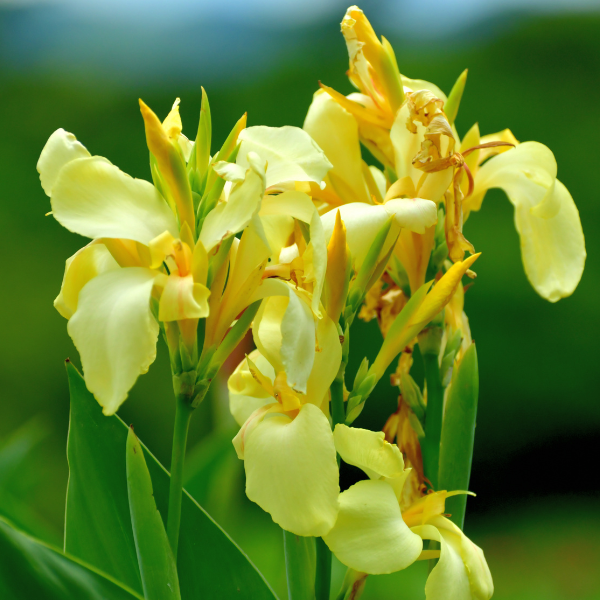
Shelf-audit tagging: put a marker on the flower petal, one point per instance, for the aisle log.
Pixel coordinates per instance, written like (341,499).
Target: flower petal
(284,332)
(62,147)
(115,333)
(245,393)
(552,242)
(228,218)
(291,153)
(291,471)
(89,262)
(299,206)
(369,451)
(183,299)
(369,534)
(414,214)
(336,132)
(363,222)
(94,198)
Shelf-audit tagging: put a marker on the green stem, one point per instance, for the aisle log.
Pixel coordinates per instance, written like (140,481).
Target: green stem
(299,566)
(430,446)
(323,573)
(183,412)
(338,411)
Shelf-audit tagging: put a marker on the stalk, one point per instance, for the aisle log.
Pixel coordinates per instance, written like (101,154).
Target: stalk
(323,572)
(433,419)
(183,413)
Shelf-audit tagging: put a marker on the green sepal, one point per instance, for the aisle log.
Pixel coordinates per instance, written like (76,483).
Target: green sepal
(458,434)
(455,96)
(203,138)
(411,394)
(155,558)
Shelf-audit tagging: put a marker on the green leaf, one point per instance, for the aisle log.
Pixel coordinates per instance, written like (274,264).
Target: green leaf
(31,569)
(458,434)
(155,558)
(300,566)
(210,564)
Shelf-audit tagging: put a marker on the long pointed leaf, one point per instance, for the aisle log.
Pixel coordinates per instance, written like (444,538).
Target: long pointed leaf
(210,564)
(458,434)
(31,569)
(155,557)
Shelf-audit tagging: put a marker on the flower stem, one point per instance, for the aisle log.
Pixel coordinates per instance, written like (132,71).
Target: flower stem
(323,573)
(299,566)
(183,412)
(433,419)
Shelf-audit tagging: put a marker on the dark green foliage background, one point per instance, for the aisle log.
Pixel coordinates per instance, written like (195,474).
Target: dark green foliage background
(536,512)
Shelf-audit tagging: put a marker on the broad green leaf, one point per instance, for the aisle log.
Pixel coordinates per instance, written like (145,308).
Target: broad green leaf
(22,468)
(155,557)
(97,522)
(458,434)
(30,569)
(210,564)
(300,565)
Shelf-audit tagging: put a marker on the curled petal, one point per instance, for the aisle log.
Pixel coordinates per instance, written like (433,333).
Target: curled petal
(89,262)
(552,242)
(291,471)
(369,451)
(61,148)
(94,198)
(284,332)
(246,394)
(369,535)
(115,333)
(183,299)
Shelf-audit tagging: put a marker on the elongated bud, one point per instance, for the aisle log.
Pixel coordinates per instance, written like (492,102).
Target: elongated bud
(204,137)
(454,98)
(169,160)
(418,312)
(411,394)
(337,277)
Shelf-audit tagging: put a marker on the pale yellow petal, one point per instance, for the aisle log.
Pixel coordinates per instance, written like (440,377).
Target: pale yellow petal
(115,333)
(369,534)
(369,451)
(291,471)
(61,148)
(94,198)
(552,242)
(229,218)
(284,331)
(336,132)
(363,222)
(291,154)
(245,393)
(89,262)
(414,214)
(448,580)
(183,299)
(299,206)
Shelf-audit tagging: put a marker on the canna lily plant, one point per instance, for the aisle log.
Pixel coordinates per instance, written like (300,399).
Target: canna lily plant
(288,234)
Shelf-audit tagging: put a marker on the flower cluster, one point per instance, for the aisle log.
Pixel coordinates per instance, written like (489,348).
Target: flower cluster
(291,233)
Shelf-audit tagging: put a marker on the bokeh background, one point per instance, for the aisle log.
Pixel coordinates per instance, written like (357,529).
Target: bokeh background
(533,67)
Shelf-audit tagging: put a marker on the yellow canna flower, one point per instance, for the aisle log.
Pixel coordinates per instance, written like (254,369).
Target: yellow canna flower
(376,534)
(108,285)
(289,457)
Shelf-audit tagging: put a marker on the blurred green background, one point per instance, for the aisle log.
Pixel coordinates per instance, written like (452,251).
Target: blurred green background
(536,511)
